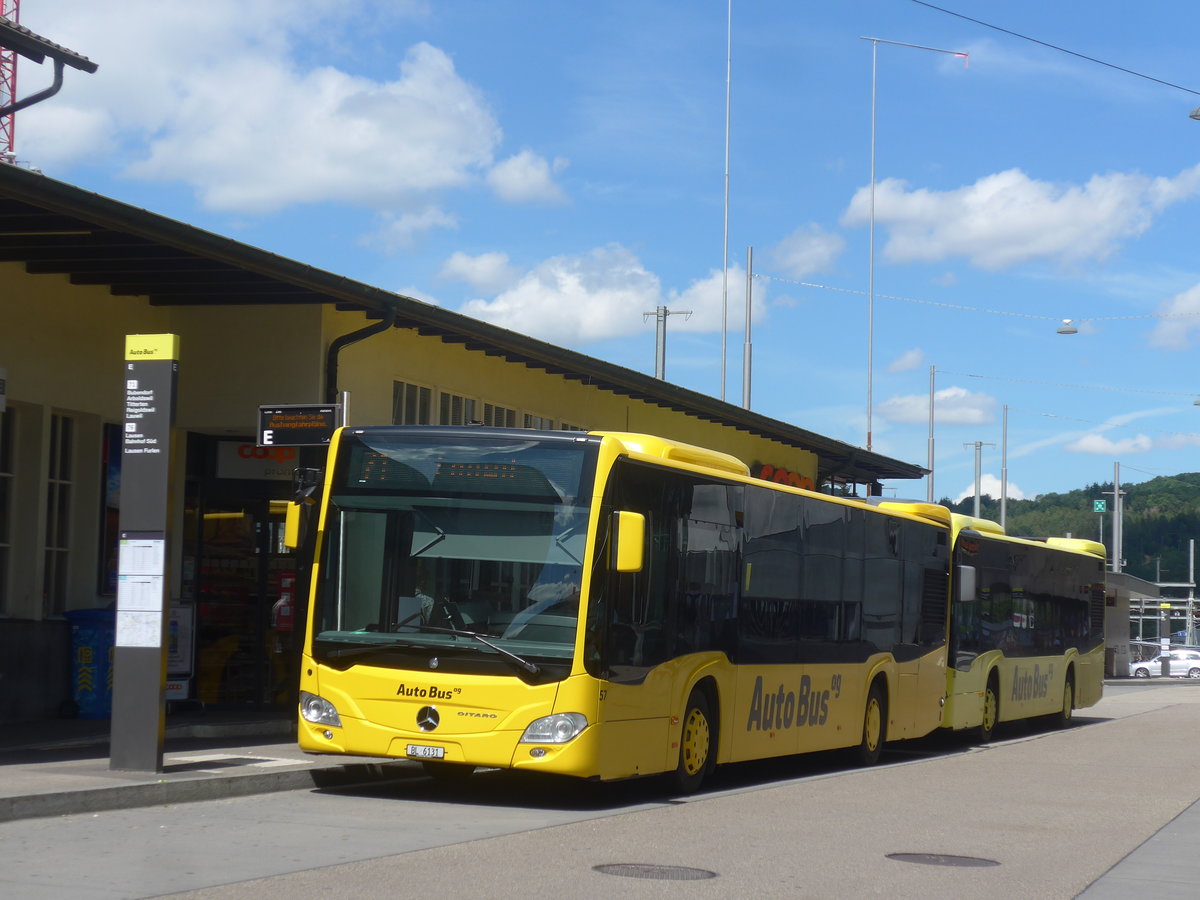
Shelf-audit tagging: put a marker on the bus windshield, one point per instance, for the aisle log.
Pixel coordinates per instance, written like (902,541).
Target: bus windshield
(472,548)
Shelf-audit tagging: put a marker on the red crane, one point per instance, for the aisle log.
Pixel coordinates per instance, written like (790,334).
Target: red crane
(11,10)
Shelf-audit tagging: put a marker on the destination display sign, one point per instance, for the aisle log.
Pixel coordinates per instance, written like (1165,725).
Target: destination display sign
(297,425)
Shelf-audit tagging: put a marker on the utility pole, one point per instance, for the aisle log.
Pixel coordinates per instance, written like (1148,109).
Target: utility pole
(1117,511)
(660,352)
(929,480)
(1004,470)
(1190,584)
(746,347)
(1191,598)
(978,445)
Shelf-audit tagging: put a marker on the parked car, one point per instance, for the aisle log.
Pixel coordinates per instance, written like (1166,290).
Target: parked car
(1183,663)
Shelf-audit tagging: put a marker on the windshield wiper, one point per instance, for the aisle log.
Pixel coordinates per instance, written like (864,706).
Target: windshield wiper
(351,652)
(561,541)
(347,652)
(525,664)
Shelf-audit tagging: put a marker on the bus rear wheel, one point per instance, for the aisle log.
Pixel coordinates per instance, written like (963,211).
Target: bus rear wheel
(991,710)
(696,746)
(874,732)
(1062,718)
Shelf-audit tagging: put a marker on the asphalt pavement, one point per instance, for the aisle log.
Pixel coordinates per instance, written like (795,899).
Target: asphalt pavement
(1121,782)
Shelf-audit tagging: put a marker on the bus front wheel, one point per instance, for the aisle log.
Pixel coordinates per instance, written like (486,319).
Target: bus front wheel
(874,731)
(991,710)
(695,744)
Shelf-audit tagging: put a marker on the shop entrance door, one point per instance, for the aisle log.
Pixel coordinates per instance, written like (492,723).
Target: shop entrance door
(245,590)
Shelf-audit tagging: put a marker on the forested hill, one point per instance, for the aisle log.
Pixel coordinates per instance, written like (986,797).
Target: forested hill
(1161,515)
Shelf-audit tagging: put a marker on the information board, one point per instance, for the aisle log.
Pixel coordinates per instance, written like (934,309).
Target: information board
(297,425)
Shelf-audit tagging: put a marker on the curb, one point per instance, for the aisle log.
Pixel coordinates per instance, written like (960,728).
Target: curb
(163,793)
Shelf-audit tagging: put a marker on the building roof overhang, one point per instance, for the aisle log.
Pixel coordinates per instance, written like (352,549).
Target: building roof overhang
(36,48)
(55,228)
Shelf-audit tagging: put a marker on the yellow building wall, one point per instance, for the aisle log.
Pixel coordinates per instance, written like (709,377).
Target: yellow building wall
(368,369)
(234,359)
(64,345)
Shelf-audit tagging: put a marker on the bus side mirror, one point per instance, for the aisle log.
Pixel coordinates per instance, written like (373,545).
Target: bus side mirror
(291,526)
(965,576)
(630,541)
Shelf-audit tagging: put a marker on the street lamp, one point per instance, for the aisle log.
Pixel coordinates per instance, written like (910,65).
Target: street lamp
(1067,327)
(875,42)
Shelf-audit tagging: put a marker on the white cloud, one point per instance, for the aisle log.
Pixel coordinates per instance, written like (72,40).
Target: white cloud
(527,178)
(1179,442)
(990,485)
(1101,445)
(325,135)
(576,299)
(487,272)
(952,406)
(607,293)
(400,231)
(806,250)
(907,361)
(1008,218)
(418,293)
(703,298)
(222,96)
(75,131)
(1182,322)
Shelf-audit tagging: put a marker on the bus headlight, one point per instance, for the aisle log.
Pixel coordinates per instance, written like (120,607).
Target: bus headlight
(556,729)
(318,710)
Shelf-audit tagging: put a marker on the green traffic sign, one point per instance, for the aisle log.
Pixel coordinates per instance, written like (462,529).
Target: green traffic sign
(1099,506)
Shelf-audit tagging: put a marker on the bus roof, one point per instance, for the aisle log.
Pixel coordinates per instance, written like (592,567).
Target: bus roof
(675,451)
(971,523)
(988,527)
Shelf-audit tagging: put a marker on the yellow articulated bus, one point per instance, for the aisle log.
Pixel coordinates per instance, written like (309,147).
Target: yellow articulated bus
(1026,627)
(609,605)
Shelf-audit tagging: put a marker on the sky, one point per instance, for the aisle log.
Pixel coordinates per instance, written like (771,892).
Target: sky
(560,170)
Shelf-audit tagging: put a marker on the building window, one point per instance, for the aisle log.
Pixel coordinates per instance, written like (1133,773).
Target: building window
(411,404)
(58,514)
(7,427)
(456,410)
(539,422)
(499,416)
(563,426)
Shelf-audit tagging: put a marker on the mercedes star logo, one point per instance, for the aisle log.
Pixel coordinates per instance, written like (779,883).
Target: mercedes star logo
(428,718)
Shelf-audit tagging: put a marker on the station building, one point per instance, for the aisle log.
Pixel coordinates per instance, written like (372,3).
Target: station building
(79,272)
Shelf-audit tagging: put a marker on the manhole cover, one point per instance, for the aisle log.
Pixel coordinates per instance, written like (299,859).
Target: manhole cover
(943,859)
(662,873)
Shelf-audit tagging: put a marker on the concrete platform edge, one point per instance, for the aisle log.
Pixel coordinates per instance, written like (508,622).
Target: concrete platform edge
(165,793)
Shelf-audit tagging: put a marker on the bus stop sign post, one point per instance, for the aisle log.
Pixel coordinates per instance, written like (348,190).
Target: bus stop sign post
(1164,638)
(140,657)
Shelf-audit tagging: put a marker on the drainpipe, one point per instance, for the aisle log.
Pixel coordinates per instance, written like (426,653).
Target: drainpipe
(338,343)
(40,95)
